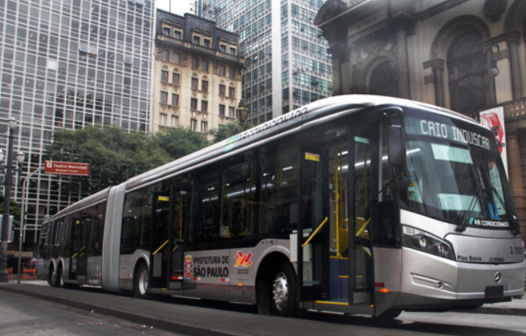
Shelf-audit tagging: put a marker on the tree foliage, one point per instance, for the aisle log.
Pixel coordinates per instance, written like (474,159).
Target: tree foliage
(178,142)
(224,131)
(14,210)
(113,155)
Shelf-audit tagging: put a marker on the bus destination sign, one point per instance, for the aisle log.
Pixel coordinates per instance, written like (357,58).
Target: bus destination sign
(66,168)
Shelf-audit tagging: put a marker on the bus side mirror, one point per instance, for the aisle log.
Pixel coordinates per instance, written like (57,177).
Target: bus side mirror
(395,145)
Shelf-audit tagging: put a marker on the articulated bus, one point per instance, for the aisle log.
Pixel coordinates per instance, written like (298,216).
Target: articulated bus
(354,204)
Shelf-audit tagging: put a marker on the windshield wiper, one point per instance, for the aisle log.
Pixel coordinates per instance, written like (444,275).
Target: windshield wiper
(463,217)
(515,226)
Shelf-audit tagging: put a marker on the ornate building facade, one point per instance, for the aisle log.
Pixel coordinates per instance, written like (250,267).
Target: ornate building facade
(465,55)
(197,74)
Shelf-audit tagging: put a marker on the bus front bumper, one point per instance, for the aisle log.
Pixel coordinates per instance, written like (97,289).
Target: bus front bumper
(428,282)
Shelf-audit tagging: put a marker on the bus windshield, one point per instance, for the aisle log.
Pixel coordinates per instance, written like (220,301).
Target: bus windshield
(455,173)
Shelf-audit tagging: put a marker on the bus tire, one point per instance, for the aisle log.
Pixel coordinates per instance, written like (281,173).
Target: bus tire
(283,291)
(389,315)
(141,281)
(52,280)
(60,278)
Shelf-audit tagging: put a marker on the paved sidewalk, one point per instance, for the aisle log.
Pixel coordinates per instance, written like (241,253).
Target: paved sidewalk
(202,321)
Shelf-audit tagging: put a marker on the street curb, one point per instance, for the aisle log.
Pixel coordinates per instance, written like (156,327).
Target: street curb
(499,311)
(141,319)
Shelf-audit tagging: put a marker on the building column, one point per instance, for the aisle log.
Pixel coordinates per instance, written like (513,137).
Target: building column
(513,46)
(491,79)
(515,178)
(404,88)
(437,66)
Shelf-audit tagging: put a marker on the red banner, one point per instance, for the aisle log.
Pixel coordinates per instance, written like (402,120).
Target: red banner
(66,168)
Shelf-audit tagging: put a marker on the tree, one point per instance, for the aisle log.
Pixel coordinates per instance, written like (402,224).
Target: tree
(14,210)
(224,131)
(113,155)
(178,142)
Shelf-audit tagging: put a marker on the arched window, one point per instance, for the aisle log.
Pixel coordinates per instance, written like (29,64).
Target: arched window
(468,75)
(383,80)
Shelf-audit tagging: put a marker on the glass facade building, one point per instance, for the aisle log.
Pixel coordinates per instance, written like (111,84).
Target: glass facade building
(69,64)
(287,63)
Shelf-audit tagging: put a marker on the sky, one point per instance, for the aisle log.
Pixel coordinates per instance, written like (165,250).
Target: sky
(178,6)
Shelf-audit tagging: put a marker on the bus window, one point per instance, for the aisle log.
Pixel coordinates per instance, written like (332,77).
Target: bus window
(239,191)
(136,222)
(208,207)
(279,190)
(385,232)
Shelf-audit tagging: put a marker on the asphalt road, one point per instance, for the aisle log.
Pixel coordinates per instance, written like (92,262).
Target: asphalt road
(22,315)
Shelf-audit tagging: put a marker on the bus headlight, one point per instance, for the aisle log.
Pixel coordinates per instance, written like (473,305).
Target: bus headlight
(425,242)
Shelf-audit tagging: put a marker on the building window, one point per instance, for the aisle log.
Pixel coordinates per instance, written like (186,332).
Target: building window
(177,58)
(197,40)
(207,43)
(204,127)
(204,86)
(175,99)
(162,122)
(204,106)
(175,121)
(164,97)
(204,66)
(222,110)
(231,92)
(231,73)
(468,75)
(231,112)
(194,83)
(222,70)
(232,51)
(193,104)
(222,90)
(167,31)
(165,54)
(383,80)
(193,125)
(175,78)
(195,63)
(164,76)
(223,48)
(177,34)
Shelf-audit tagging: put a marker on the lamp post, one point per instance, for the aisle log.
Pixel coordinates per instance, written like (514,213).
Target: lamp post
(8,182)
(242,115)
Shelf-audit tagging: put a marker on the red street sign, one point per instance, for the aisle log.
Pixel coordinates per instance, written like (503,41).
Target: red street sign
(66,168)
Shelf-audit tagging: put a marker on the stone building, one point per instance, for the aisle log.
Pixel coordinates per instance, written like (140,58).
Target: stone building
(197,73)
(465,55)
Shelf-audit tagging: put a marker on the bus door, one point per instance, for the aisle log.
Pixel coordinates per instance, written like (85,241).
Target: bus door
(179,208)
(78,260)
(160,239)
(82,257)
(167,239)
(330,211)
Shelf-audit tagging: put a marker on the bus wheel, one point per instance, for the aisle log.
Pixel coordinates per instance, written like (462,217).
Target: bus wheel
(52,278)
(60,280)
(283,296)
(141,281)
(389,315)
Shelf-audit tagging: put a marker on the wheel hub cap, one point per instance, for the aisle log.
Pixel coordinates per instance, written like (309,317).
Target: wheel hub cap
(280,291)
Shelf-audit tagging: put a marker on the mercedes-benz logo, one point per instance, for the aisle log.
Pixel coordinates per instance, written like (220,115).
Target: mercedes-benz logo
(497,277)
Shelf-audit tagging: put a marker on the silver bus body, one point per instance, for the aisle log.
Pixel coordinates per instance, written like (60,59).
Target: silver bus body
(482,269)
